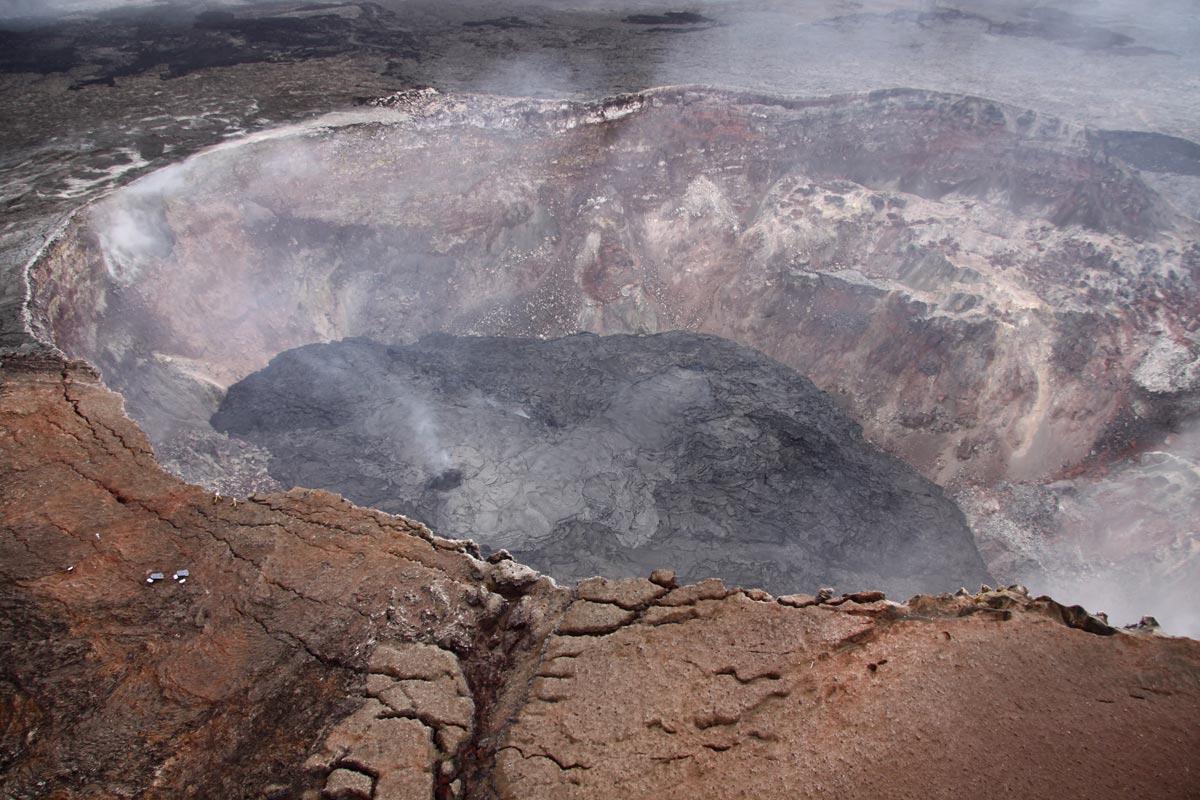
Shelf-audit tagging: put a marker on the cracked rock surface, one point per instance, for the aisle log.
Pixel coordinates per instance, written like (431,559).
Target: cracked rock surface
(321,649)
(746,698)
(608,455)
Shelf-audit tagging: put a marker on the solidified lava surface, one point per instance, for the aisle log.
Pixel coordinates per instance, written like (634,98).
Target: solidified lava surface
(609,455)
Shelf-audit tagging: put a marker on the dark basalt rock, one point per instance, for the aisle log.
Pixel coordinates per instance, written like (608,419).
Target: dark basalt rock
(1153,152)
(126,42)
(609,455)
(669,18)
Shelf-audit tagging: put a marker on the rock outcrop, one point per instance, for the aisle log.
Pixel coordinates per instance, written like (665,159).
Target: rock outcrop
(313,648)
(612,455)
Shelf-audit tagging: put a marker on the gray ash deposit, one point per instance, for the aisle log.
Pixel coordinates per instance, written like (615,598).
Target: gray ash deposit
(608,455)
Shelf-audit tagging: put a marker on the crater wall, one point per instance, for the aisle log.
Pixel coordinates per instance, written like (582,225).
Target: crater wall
(976,284)
(997,296)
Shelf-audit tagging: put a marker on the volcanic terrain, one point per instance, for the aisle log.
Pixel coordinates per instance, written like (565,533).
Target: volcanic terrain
(777,323)
(994,295)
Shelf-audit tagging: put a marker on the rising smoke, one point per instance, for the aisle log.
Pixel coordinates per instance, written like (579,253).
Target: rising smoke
(134,230)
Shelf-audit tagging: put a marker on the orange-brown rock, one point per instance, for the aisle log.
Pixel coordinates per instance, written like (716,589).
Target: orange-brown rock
(315,648)
(762,700)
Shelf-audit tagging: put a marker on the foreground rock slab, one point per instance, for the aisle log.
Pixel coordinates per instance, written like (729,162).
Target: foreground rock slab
(315,648)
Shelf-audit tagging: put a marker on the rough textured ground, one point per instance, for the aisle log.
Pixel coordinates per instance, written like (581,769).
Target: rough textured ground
(612,455)
(316,646)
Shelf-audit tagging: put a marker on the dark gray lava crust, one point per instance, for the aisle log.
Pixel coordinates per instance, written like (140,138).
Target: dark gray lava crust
(608,455)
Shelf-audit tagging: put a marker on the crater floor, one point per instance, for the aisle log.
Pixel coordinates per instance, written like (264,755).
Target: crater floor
(610,455)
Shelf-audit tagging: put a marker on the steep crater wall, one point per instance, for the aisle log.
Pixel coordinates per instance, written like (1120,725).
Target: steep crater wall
(974,283)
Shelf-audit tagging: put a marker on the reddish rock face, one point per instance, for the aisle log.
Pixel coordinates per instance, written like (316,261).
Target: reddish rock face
(785,702)
(315,646)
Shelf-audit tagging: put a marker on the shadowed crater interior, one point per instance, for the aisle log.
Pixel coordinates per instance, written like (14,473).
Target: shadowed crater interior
(608,455)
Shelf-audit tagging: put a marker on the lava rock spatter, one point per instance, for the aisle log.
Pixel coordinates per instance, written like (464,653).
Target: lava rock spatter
(608,455)
(320,649)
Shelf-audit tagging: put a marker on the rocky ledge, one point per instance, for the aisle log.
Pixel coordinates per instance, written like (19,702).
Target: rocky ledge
(161,641)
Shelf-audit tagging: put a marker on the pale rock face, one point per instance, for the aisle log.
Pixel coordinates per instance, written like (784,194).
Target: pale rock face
(348,784)
(1170,366)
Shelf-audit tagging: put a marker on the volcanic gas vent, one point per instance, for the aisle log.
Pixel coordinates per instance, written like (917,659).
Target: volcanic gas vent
(608,455)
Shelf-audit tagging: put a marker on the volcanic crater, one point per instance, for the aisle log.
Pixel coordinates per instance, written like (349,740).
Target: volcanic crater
(994,295)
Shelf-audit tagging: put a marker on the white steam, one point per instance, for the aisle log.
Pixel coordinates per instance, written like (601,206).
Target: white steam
(133,228)
(420,433)
(1129,543)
